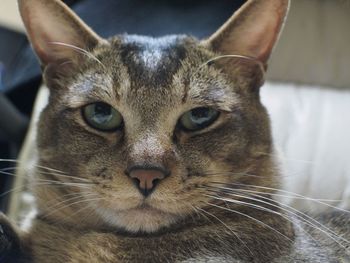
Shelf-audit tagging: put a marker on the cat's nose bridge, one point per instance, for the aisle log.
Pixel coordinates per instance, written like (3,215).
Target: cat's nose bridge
(151,159)
(150,147)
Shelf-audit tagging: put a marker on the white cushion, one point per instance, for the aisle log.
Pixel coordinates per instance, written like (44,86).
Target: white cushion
(311,129)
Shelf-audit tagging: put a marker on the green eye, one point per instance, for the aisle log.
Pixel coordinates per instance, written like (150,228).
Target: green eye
(102,116)
(198,118)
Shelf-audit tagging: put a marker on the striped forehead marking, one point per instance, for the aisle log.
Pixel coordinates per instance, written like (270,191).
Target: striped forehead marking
(151,58)
(151,50)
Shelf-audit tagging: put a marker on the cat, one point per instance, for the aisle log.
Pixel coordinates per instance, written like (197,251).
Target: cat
(159,149)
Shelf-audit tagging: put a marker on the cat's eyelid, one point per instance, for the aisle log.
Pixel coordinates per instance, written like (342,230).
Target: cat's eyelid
(91,88)
(220,98)
(77,102)
(101,97)
(219,105)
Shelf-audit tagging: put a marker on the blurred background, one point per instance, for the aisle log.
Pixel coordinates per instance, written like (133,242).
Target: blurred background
(307,93)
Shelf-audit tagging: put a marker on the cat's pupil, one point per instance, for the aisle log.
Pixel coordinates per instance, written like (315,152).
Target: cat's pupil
(198,118)
(102,113)
(200,115)
(102,116)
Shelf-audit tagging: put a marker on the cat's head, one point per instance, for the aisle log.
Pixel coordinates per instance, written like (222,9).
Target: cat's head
(147,130)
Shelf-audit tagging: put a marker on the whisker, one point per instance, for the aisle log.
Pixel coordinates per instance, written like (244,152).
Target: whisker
(245,203)
(63,183)
(20,188)
(84,180)
(287,159)
(284,191)
(301,216)
(275,194)
(66,203)
(79,50)
(192,215)
(322,228)
(5,172)
(71,204)
(39,166)
(52,202)
(23,187)
(252,218)
(274,212)
(8,169)
(223,223)
(231,173)
(51,171)
(199,213)
(86,207)
(246,174)
(248,58)
(287,196)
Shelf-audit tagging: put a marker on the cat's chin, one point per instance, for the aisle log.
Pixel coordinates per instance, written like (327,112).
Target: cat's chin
(137,220)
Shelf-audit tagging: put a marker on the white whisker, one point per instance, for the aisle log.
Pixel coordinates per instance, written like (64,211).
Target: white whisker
(322,228)
(66,203)
(248,58)
(39,166)
(23,187)
(223,223)
(287,192)
(80,50)
(252,218)
(72,204)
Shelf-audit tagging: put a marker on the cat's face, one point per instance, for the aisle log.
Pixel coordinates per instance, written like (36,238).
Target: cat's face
(171,111)
(148,127)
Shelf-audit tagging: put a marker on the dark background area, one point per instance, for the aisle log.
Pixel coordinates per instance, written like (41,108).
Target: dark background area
(20,71)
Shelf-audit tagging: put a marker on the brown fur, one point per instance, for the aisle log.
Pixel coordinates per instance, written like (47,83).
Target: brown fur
(152,82)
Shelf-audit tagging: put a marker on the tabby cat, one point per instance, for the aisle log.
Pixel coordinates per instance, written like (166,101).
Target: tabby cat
(159,150)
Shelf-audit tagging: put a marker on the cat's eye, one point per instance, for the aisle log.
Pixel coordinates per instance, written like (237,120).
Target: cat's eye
(198,118)
(102,116)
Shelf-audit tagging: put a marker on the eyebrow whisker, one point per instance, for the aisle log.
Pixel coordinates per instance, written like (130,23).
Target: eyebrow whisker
(249,58)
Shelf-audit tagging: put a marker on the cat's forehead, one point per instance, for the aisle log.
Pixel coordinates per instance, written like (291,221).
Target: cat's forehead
(152,62)
(150,74)
(150,52)
(160,69)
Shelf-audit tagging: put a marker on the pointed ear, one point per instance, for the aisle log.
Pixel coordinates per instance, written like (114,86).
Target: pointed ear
(55,32)
(252,31)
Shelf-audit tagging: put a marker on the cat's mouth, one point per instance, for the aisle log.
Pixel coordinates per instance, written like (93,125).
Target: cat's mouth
(144,218)
(147,208)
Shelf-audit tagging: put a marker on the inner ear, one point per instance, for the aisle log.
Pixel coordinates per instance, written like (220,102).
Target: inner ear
(252,31)
(55,32)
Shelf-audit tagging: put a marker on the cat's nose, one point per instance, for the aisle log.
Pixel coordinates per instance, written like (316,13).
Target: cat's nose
(146,178)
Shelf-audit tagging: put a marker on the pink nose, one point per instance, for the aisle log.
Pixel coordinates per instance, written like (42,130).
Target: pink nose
(146,179)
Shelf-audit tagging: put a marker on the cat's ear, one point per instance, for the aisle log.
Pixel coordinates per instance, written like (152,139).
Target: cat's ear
(252,31)
(55,32)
